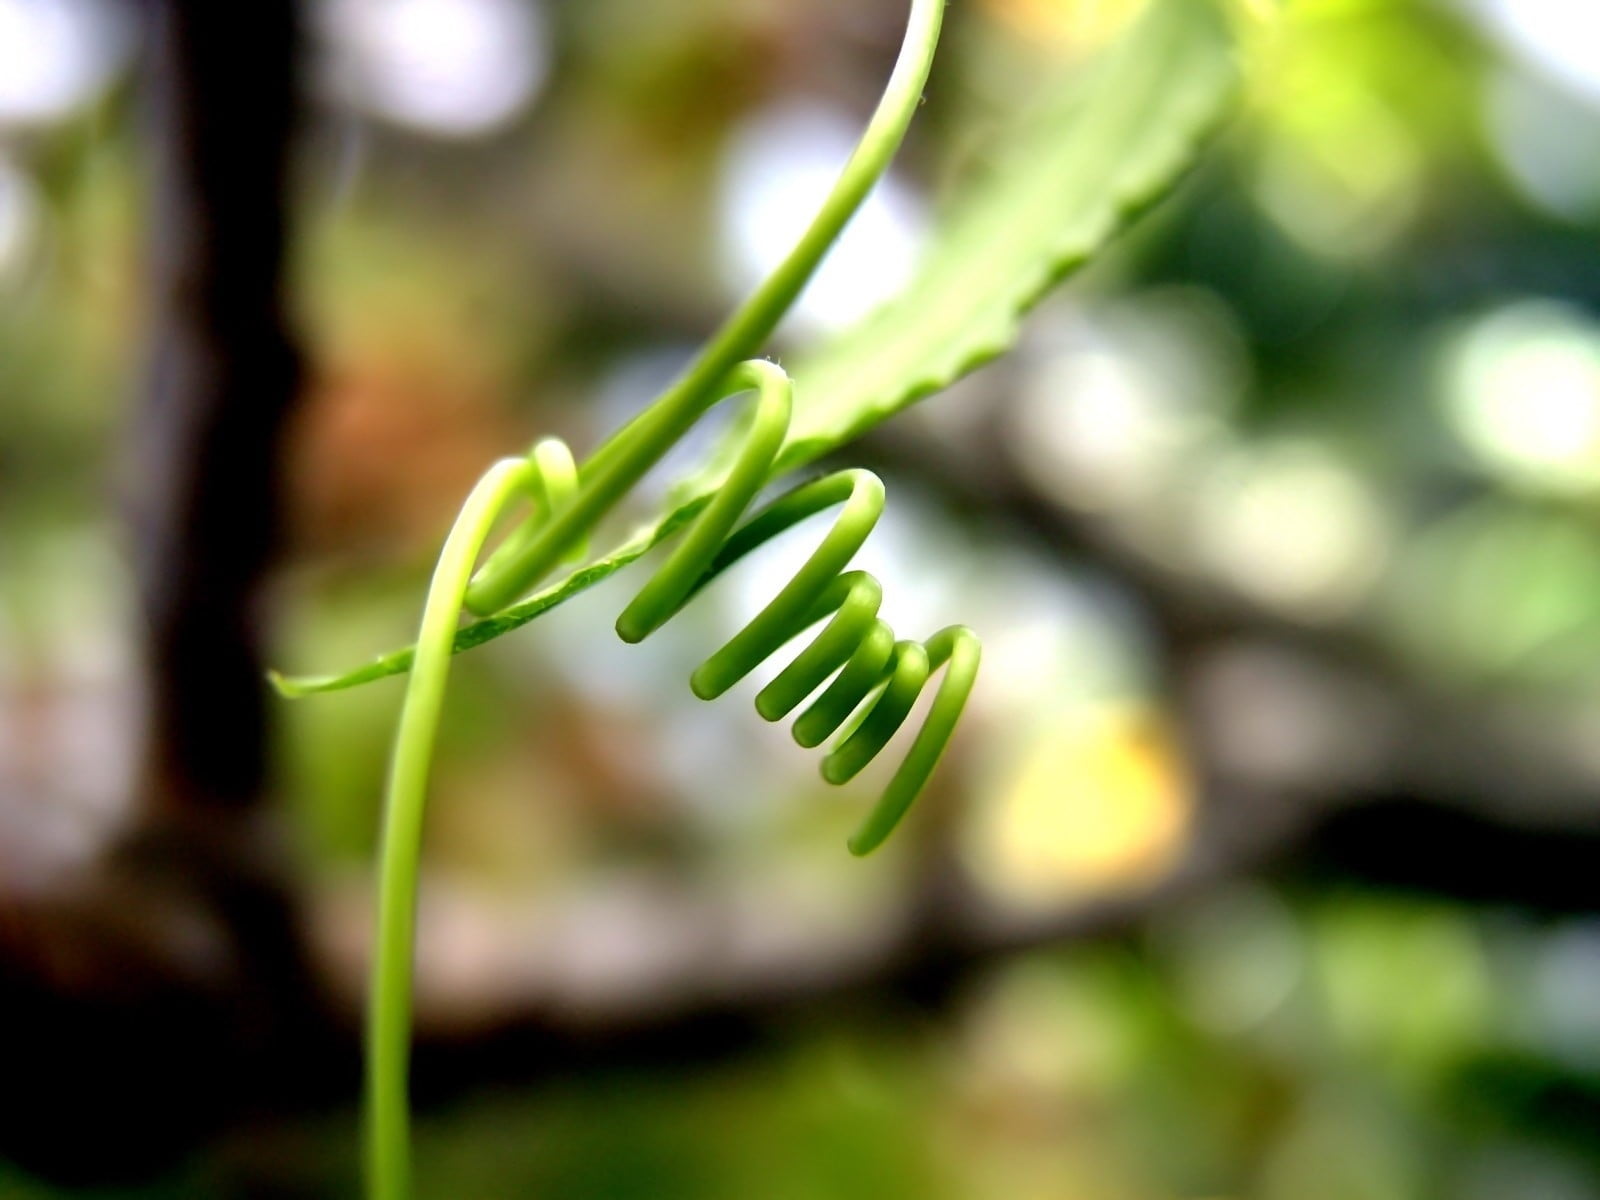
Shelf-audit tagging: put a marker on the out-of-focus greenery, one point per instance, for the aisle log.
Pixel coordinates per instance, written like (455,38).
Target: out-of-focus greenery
(1250,1047)
(1350,376)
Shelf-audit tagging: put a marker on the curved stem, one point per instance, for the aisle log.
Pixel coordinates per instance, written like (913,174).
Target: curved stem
(547,477)
(643,440)
(389,1012)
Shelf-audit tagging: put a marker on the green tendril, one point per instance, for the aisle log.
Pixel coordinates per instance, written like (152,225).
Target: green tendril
(877,679)
(620,462)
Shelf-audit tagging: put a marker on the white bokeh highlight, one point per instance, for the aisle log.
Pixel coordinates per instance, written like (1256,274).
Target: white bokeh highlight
(56,56)
(778,169)
(450,68)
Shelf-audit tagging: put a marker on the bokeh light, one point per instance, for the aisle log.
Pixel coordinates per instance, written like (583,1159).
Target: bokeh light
(1291,525)
(1523,393)
(451,68)
(1553,35)
(57,55)
(779,166)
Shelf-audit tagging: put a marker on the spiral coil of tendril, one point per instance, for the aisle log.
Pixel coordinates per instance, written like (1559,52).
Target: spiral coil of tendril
(876,678)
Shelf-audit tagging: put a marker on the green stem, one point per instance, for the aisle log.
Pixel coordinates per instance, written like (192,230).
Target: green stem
(389,1012)
(639,444)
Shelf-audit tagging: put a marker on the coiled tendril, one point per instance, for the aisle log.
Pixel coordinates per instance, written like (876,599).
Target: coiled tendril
(856,646)
(874,675)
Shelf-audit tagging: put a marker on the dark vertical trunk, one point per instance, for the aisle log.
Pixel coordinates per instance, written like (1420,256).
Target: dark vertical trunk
(170,993)
(222,382)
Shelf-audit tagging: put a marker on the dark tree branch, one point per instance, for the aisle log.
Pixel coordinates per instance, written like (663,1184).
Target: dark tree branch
(167,991)
(223,379)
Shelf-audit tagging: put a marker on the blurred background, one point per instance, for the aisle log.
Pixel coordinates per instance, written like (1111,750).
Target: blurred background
(1263,866)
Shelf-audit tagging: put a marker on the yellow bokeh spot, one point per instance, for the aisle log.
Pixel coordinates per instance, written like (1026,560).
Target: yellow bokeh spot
(1078,23)
(1099,800)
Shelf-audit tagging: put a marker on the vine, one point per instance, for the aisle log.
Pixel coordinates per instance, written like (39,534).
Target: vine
(1135,123)
(569,500)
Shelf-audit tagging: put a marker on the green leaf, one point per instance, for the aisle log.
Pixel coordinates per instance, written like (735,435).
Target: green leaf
(1094,153)
(397,662)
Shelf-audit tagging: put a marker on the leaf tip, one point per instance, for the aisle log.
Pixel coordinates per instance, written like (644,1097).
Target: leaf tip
(292,687)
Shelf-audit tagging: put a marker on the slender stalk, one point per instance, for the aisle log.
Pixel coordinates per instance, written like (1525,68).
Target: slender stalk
(876,679)
(546,475)
(389,1011)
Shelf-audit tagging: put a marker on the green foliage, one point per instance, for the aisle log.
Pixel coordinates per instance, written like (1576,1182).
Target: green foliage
(1050,199)
(1089,158)
(1073,172)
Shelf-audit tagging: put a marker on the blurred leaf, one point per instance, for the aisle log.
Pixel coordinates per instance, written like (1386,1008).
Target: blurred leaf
(1038,212)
